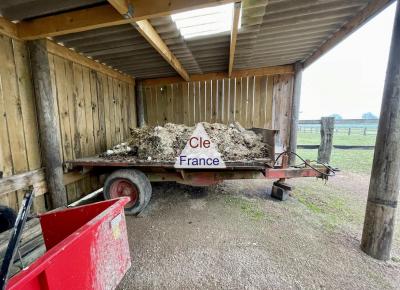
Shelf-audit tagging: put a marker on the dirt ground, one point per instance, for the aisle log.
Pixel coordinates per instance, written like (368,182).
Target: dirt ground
(235,236)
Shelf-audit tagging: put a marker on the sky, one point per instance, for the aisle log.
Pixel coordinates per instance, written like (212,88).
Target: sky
(349,79)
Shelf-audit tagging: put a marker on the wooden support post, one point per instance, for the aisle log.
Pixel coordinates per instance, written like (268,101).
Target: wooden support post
(49,138)
(298,69)
(140,105)
(325,148)
(385,176)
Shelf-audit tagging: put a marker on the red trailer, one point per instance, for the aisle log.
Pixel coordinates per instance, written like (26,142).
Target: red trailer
(131,177)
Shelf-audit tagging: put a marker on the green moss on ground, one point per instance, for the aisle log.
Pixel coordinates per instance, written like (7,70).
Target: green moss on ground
(250,209)
(331,206)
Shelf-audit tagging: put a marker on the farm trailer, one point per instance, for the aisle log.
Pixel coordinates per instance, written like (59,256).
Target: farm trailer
(130,177)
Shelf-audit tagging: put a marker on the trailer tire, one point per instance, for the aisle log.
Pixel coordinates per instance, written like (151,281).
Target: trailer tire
(7,218)
(132,183)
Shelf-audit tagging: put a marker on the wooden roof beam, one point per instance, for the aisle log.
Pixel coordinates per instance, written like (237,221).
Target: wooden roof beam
(150,34)
(234,31)
(147,30)
(8,28)
(106,16)
(372,9)
(263,71)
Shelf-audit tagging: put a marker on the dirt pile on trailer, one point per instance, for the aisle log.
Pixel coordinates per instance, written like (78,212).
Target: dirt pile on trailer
(165,143)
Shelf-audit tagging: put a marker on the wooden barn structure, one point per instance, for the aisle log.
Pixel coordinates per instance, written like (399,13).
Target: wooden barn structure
(75,75)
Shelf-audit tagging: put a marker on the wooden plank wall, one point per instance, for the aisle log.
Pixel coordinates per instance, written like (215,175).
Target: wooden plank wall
(261,101)
(95,112)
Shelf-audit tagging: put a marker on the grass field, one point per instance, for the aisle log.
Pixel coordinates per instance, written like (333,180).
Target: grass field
(358,161)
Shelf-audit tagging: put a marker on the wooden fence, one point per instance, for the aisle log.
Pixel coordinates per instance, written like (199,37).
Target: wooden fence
(260,101)
(343,126)
(96,107)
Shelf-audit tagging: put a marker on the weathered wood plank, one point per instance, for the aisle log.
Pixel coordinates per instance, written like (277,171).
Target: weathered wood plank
(270,107)
(12,103)
(87,94)
(255,117)
(94,106)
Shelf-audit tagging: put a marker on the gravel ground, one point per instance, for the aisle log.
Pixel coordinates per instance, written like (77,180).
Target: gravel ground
(234,236)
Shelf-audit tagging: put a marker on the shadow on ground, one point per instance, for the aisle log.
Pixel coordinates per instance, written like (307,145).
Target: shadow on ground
(235,236)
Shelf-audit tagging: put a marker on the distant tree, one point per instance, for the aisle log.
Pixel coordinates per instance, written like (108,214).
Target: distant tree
(368,115)
(336,116)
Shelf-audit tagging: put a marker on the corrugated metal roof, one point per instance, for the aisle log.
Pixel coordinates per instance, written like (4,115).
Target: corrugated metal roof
(122,48)
(273,32)
(290,30)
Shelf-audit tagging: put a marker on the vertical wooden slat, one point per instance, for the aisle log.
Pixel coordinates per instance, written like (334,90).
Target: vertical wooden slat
(63,108)
(220,102)
(185,99)
(179,103)
(78,109)
(122,106)
(94,93)
(12,104)
(174,97)
(214,101)
(170,104)
(269,110)
(263,101)
(250,102)
(202,101)
(111,101)
(155,117)
(149,106)
(233,97)
(255,120)
(191,87)
(162,92)
(88,112)
(208,102)
(241,91)
(226,100)
(55,101)
(6,164)
(117,111)
(101,85)
(132,108)
(126,110)
(197,101)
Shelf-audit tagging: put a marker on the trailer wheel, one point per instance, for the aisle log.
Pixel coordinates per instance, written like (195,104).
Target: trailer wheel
(7,218)
(131,183)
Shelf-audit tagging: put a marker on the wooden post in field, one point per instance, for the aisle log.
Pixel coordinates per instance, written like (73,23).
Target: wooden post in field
(140,105)
(298,70)
(325,148)
(49,138)
(385,176)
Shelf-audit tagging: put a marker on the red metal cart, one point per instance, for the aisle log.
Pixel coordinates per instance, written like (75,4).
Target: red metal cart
(87,248)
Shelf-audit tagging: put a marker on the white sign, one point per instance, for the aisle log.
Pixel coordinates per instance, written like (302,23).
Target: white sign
(199,152)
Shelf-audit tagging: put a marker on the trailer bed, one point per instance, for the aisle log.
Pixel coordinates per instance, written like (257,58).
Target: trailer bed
(98,162)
